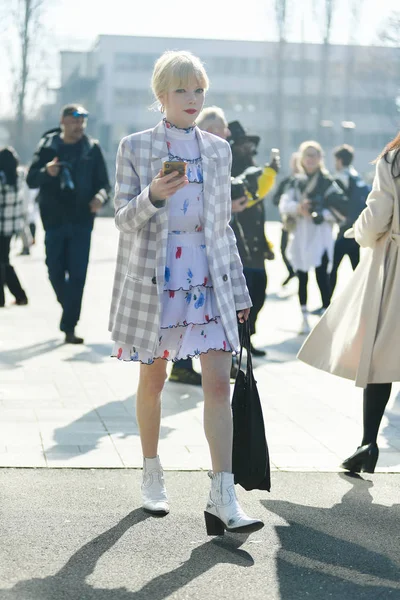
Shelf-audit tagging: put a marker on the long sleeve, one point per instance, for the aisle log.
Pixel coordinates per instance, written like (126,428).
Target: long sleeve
(102,184)
(288,204)
(37,174)
(240,291)
(133,208)
(266,181)
(376,219)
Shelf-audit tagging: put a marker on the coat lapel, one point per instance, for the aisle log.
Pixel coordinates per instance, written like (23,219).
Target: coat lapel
(209,162)
(159,150)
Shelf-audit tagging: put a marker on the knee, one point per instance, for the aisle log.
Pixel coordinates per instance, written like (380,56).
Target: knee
(217,389)
(152,385)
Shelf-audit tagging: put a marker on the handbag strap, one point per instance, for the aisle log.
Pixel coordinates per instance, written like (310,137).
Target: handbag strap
(244,336)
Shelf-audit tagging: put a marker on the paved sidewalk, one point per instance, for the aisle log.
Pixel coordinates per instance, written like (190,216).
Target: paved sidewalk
(80,535)
(71,406)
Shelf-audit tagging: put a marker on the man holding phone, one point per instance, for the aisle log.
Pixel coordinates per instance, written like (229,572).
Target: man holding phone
(69,169)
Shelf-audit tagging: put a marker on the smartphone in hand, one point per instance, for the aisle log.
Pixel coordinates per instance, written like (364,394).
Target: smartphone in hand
(174,165)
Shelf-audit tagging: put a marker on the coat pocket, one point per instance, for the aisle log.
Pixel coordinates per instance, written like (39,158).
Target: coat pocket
(134,277)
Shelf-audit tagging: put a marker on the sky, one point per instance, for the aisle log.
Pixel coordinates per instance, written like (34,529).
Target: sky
(75,24)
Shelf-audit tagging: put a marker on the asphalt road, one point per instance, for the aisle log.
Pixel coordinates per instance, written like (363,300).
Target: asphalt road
(81,535)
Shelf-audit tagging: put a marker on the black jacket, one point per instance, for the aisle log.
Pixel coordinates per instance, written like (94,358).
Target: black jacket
(248,225)
(90,177)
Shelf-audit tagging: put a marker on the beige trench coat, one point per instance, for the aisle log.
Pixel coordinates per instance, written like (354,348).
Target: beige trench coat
(359,335)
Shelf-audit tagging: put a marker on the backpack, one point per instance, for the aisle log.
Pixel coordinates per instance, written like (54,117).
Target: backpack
(357,194)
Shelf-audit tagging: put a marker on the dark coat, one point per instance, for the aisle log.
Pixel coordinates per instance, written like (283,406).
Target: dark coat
(90,177)
(249,224)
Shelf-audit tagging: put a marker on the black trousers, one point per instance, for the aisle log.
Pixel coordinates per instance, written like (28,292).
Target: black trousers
(256,280)
(322,276)
(376,397)
(8,276)
(67,258)
(344,246)
(284,243)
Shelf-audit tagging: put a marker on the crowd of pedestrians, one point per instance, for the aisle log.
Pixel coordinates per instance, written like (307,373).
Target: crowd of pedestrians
(191,259)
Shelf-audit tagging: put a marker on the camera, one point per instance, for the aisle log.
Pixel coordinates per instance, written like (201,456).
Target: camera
(66,181)
(246,182)
(316,209)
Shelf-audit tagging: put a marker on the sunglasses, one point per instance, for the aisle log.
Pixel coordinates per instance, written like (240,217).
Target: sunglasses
(78,114)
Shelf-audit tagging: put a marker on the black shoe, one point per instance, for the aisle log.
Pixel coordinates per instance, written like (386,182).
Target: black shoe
(257,352)
(363,460)
(188,376)
(71,338)
(288,278)
(21,301)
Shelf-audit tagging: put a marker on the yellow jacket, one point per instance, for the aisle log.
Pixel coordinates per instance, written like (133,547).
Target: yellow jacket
(265,183)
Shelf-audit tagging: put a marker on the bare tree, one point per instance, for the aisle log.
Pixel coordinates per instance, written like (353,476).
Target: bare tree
(281,7)
(27,18)
(389,33)
(328,9)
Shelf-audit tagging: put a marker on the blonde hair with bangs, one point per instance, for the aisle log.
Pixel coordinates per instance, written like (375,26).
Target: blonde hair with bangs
(174,70)
(301,151)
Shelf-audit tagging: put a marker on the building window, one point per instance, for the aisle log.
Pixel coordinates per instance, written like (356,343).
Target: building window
(125,61)
(132,98)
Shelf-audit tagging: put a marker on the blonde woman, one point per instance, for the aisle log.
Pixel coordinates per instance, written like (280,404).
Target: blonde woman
(309,210)
(179,287)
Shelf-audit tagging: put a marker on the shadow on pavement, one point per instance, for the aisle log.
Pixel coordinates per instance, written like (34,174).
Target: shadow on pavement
(341,553)
(12,359)
(115,418)
(70,581)
(92,353)
(287,350)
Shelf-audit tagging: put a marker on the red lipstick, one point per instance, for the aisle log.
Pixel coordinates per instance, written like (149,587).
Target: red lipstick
(191,111)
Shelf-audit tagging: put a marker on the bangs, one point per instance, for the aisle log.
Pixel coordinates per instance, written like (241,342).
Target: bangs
(174,70)
(185,74)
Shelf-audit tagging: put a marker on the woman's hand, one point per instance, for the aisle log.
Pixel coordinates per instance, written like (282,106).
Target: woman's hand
(164,186)
(303,208)
(243,315)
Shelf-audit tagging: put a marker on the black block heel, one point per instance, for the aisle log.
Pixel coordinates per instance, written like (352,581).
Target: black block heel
(214,525)
(363,460)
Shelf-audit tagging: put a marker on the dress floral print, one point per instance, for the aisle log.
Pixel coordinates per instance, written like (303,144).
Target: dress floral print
(190,320)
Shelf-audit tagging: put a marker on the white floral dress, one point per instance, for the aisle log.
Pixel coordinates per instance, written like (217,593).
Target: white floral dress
(190,321)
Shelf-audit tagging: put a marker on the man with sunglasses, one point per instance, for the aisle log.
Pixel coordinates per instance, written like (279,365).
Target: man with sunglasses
(69,169)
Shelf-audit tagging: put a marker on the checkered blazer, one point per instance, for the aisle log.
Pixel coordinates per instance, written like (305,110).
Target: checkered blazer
(12,206)
(139,276)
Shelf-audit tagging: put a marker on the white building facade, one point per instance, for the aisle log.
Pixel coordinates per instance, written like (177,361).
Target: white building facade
(273,90)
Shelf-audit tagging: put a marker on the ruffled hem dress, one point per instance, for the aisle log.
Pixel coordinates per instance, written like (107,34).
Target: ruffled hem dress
(190,320)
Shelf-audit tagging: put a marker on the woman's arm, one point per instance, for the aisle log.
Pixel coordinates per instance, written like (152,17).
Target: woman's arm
(288,204)
(376,219)
(133,208)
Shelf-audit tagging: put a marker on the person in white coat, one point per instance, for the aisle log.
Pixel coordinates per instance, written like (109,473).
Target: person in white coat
(179,288)
(358,337)
(309,209)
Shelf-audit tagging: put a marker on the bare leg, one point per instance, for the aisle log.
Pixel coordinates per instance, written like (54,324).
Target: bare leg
(215,366)
(148,405)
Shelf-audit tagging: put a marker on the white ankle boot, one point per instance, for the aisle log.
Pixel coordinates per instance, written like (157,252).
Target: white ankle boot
(153,487)
(223,510)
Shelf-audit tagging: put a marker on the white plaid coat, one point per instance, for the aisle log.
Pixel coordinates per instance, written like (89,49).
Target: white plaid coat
(139,276)
(13,206)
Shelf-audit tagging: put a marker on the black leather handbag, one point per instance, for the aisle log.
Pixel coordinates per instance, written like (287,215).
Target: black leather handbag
(250,457)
